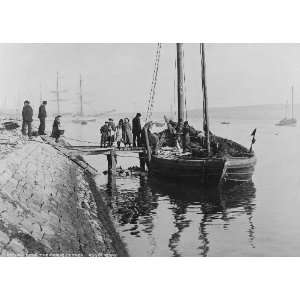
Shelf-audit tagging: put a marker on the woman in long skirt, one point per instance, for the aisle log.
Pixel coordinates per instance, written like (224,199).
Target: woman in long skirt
(128,138)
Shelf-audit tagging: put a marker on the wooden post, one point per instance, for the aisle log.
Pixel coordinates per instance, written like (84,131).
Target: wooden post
(112,162)
(142,161)
(147,144)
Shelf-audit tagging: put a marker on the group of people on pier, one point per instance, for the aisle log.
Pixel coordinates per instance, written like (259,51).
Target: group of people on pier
(27,119)
(122,133)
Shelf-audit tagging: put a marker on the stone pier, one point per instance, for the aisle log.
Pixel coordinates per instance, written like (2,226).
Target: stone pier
(47,207)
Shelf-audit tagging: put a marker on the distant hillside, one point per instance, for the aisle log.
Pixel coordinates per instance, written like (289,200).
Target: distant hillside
(272,112)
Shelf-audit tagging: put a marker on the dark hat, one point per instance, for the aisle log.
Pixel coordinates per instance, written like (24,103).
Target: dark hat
(58,116)
(139,114)
(44,102)
(26,102)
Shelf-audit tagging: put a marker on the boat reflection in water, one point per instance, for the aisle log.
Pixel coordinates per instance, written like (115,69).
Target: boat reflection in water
(166,218)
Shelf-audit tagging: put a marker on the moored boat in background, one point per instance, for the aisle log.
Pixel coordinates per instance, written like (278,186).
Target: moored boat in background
(288,121)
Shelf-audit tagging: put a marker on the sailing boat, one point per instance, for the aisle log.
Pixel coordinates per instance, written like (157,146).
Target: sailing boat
(205,166)
(288,121)
(80,118)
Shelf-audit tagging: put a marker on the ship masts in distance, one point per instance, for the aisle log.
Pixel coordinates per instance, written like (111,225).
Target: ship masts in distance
(80,95)
(292,102)
(57,94)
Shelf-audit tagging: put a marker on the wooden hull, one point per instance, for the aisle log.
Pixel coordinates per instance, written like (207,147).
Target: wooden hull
(208,171)
(239,169)
(287,122)
(204,171)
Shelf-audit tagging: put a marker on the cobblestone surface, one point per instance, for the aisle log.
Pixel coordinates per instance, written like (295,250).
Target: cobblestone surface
(46,206)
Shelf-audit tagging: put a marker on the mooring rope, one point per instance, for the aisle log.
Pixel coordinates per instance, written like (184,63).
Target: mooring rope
(89,142)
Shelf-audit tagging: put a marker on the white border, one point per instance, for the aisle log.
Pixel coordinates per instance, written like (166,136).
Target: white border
(149,21)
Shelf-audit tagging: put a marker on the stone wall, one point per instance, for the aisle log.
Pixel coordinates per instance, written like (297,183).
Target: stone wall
(48,208)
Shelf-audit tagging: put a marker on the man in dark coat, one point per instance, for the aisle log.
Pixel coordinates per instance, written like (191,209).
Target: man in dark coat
(136,130)
(27,114)
(104,134)
(186,140)
(42,116)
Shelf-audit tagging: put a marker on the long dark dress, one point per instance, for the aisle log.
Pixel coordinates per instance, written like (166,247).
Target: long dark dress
(56,132)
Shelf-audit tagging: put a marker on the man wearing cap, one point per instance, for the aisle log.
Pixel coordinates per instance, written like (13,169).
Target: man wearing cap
(27,114)
(42,116)
(136,130)
(104,134)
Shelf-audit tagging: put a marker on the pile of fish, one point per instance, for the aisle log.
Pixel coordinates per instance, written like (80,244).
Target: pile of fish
(219,146)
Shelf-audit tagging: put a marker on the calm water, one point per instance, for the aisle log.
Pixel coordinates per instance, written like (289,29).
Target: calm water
(165,218)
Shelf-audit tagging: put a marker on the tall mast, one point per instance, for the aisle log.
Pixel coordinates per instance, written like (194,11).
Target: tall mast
(80,95)
(292,102)
(204,91)
(179,48)
(286,109)
(57,93)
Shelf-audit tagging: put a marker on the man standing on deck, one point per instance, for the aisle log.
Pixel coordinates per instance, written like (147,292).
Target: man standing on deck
(136,130)
(27,114)
(186,141)
(42,116)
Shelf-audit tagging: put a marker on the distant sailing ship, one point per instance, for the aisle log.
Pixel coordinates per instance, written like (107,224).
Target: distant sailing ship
(288,121)
(80,119)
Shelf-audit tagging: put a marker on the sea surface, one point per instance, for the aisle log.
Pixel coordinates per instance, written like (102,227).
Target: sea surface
(157,217)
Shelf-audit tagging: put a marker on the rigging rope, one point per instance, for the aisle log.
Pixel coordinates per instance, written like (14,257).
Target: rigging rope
(153,84)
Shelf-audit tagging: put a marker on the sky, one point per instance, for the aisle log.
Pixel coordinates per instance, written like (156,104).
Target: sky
(119,76)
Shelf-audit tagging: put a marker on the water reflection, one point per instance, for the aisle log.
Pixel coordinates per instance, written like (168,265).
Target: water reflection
(135,204)
(214,203)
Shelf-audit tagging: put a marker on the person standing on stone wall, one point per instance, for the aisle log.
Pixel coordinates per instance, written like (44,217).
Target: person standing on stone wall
(136,130)
(42,116)
(27,114)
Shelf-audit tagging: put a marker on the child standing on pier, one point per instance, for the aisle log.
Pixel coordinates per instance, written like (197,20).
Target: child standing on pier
(119,133)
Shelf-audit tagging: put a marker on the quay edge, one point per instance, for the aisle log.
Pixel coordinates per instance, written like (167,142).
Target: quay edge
(49,206)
